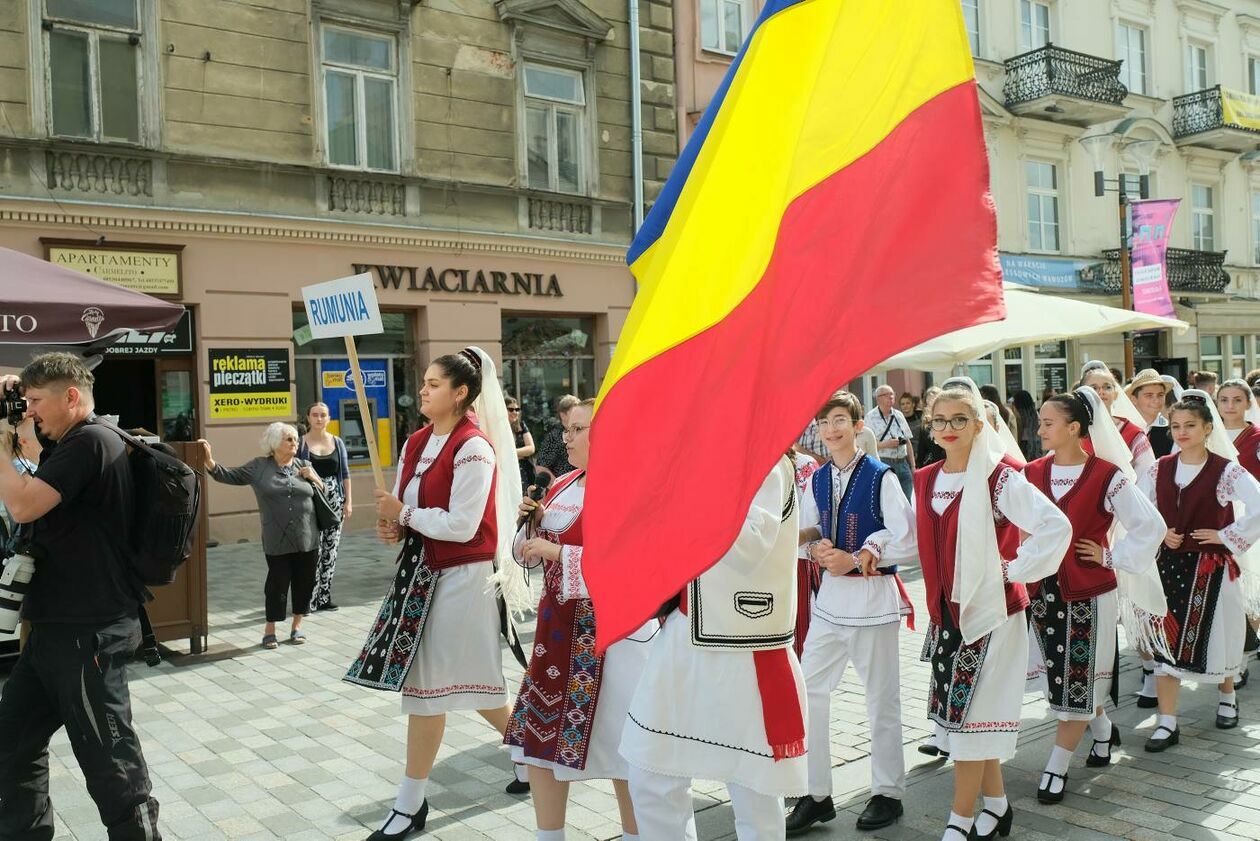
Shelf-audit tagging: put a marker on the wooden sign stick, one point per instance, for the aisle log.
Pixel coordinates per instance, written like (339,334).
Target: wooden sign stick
(369,422)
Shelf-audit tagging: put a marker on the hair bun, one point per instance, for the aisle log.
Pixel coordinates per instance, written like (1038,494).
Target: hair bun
(1085,402)
(473,357)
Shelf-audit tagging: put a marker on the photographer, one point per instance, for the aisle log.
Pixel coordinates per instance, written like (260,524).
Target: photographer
(892,435)
(82,606)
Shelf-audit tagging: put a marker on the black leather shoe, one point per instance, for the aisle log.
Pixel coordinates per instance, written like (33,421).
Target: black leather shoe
(808,812)
(1003,827)
(930,749)
(1242,681)
(1095,760)
(1147,703)
(417,824)
(1227,722)
(880,811)
(330,607)
(1045,795)
(517,787)
(1157,744)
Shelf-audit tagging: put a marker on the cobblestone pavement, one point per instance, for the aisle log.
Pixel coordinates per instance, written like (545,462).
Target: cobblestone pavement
(244,743)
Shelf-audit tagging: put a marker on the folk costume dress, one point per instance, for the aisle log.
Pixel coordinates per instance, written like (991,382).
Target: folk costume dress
(855,617)
(722,696)
(572,703)
(1075,613)
(977,687)
(1206,610)
(436,635)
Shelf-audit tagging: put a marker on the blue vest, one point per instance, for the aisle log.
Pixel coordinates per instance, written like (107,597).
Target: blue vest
(860,513)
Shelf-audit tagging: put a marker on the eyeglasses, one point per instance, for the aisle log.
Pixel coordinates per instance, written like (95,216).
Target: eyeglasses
(836,423)
(573,432)
(957,422)
(513,409)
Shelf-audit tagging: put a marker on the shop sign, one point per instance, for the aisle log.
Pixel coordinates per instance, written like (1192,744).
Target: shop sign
(342,307)
(153,270)
(1043,272)
(177,341)
(464,281)
(249,383)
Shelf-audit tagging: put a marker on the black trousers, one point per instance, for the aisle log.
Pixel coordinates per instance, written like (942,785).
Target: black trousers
(297,569)
(74,676)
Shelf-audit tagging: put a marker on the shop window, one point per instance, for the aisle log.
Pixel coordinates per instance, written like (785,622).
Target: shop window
(93,49)
(981,371)
(555,115)
(1050,368)
(1013,363)
(1211,356)
(1034,24)
(544,358)
(724,24)
(360,72)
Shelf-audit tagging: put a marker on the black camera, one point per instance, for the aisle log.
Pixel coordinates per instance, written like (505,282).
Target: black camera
(12,406)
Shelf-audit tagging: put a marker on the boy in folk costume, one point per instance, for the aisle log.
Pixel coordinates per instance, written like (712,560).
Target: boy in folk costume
(722,696)
(857,525)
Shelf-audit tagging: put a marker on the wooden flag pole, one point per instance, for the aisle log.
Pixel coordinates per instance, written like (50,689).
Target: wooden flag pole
(369,422)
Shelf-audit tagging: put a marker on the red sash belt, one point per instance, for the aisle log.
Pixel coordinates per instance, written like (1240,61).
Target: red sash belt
(780,707)
(1214,561)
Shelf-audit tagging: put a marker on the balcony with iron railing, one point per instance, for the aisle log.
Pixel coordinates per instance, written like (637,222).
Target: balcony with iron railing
(1188,271)
(1057,84)
(1218,118)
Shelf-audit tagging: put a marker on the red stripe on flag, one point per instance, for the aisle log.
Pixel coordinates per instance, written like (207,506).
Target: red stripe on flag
(896,248)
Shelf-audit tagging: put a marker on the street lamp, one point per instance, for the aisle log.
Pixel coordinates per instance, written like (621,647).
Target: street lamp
(1139,152)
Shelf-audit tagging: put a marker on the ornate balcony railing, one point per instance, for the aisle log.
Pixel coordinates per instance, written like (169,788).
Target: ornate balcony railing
(1188,270)
(349,194)
(100,173)
(1051,71)
(1203,111)
(570,216)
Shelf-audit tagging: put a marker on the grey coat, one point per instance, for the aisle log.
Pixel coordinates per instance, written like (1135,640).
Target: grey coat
(285,502)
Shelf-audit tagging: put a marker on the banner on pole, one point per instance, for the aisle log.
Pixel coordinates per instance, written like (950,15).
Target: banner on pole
(343,307)
(1151,225)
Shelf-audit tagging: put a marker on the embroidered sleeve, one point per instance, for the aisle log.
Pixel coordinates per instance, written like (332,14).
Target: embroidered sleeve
(898,540)
(1147,480)
(1135,550)
(1239,486)
(470,492)
(1108,560)
(572,584)
(1003,477)
(1118,484)
(1048,529)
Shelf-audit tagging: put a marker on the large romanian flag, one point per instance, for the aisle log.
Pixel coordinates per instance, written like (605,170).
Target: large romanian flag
(830,210)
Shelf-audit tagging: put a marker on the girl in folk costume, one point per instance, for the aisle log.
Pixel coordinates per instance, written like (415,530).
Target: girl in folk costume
(857,525)
(977,643)
(722,697)
(436,637)
(1076,610)
(1148,392)
(1128,419)
(1195,490)
(572,704)
(1237,407)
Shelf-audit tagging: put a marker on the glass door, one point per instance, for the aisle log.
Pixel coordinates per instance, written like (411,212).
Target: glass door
(177,407)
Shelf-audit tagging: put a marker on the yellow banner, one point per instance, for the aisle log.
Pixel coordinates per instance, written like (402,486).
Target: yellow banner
(1240,109)
(251,405)
(150,272)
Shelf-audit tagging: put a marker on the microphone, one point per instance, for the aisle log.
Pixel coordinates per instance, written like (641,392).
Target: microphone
(541,483)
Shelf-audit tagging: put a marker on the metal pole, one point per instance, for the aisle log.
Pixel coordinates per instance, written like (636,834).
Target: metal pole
(1126,280)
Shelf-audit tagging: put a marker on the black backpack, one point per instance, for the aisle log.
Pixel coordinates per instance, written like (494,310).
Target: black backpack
(167,507)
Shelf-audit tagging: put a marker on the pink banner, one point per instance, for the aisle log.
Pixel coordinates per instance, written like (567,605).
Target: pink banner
(1151,222)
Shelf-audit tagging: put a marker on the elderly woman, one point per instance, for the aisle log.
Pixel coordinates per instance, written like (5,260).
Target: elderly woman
(285,487)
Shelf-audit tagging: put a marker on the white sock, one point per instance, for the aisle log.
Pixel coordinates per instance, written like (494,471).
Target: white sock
(1100,726)
(521,770)
(1167,721)
(1149,665)
(1228,698)
(410,799)
(985,823)
(959,821)
(819,799)
(1060,759)
(550,835)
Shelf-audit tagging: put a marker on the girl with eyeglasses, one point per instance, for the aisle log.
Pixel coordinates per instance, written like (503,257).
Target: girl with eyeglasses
(1098,376)
(1195,490)
(1075,612)
(977,642)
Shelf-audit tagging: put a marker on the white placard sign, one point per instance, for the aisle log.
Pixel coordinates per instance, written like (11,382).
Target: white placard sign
(343,307)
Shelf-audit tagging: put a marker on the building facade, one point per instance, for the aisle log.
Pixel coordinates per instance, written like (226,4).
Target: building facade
(1162,85)
(475,158)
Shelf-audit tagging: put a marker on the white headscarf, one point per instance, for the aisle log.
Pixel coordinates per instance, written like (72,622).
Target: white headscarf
(1009,442)
(1173,385)
(1252,415)
(1142,602)
(1122,406)
(1218,440)
(492,416)
(978,586)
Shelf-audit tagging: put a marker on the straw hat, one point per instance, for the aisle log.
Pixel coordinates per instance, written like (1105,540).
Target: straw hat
(1145,377)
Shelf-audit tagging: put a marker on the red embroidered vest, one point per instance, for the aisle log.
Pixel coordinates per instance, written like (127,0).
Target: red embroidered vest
(938,545)
(1085,505)
(1248,442)
(1195,506)
(435,492)
(1128,430)
(1008,535)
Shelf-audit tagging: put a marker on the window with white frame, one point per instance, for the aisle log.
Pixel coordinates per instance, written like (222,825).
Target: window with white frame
(1198,66)
(1211,356)
(1043,205)
(93,49)
(1131,50)
(1255,227)
(1133,183)
(360,72)
(1034,24)
(971,17)
(555,112)
(1237,356)
(724,24)
(981,370)
(1203,216)
(1253,76)
(1255,354)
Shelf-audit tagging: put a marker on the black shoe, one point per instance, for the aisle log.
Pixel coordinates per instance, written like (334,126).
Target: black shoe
(808,812)
(1242,680)
(1096,761)
(1003,827)
(1157,745)
(417,824)
(330,607)
(880,811)
(1227,722)
(517,787)
(1045,795)
(930,749)
(1147,703)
